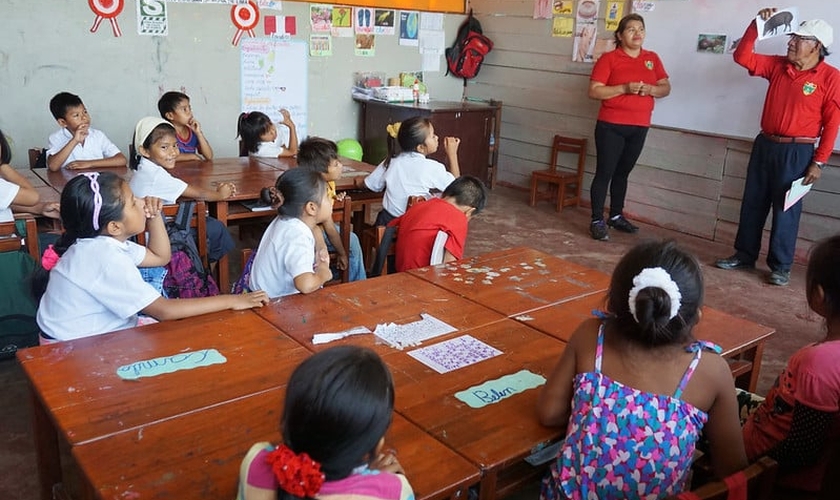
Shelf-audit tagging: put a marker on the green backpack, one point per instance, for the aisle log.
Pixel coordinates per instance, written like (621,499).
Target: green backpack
(18,328)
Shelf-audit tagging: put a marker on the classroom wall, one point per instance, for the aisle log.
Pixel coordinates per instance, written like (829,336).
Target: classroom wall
(46,47)
(687,181)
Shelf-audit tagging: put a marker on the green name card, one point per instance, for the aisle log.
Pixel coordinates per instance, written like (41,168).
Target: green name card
(494,391)
(169,364)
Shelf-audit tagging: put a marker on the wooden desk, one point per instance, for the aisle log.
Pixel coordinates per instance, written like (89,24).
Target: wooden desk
(77,393)
(499,435)
(60,179)
(742,341)
(515,281)
(197,455)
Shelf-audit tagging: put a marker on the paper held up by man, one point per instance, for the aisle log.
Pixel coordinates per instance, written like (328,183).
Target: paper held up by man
(782,22)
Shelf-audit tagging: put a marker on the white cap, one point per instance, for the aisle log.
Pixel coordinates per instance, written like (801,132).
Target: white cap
(144,128)
(818,29)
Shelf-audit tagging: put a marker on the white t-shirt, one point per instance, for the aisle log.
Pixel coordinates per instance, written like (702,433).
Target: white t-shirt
(269,149)
(96,146)
(287,250)
(95,288)
(409,174)
(150,179)
(8,191)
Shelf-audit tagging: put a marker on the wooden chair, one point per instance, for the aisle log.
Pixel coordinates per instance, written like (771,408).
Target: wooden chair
(568,184)
(372,235)
(759,479)
(342,214)
(197,221)
(11,240)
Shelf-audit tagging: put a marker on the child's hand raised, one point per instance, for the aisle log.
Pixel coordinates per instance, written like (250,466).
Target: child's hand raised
(152,206)
(287,117)
(81,133)
(226,189)
(450,145)
(194,125)
(249,300)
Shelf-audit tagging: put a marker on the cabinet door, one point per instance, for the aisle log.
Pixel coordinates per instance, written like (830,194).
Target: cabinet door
(472,127)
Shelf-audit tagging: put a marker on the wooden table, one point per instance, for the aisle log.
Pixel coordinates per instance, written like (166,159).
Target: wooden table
(203,451)
(77,393)
(498,436)
(515,281)
(742,341)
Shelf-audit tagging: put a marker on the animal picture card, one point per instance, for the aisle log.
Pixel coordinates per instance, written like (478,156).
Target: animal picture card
(455,353)
(782,22)
(384,22)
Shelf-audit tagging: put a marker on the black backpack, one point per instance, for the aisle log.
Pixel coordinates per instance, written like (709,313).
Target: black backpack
(186,276)
(18,328)
(464,57)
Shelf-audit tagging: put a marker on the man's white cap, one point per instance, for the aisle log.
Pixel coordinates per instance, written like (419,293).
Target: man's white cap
(818,29)
(144,128)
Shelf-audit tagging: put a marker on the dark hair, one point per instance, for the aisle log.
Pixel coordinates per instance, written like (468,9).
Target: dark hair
(5,152)
(61,102)
(468,191)
(339,404)
(169,101)
(293,190)
(250,127)
(653,305)
(316,153)
(77,208)
(622,25)
(162,130)
(824,51)
(413,132)
(824,271)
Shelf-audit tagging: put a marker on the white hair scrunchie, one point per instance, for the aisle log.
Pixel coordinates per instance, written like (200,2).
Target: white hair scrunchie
(658,278)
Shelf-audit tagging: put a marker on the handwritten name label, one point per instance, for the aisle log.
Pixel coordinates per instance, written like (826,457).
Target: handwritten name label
(169,364)
(493,391)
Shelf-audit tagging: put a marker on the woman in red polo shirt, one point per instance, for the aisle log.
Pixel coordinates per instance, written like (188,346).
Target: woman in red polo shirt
(626,81)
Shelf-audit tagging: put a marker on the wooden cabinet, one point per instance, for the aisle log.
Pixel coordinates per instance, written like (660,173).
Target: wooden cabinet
(473,122)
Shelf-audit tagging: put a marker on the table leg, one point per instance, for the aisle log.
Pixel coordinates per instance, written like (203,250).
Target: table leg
(223,265)
(754,355)
(46,448)
(487,486)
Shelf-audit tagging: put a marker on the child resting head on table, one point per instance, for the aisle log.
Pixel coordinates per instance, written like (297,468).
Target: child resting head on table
(407,172)
(89,282)
(635,389)
(339,404)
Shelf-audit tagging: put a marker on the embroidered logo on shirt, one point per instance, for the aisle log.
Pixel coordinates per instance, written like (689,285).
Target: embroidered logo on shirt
(809,88)
(649,64)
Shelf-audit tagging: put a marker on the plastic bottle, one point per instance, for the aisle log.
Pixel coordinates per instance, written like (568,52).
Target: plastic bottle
(415,91)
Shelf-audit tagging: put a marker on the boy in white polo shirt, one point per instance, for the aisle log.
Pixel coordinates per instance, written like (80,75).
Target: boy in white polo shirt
(76,145)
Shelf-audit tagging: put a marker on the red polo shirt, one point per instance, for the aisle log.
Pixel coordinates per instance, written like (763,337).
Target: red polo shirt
(419,227)
(617,68)
(798,103)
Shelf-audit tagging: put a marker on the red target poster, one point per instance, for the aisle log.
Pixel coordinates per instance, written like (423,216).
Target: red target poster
(106,9)
(245,17)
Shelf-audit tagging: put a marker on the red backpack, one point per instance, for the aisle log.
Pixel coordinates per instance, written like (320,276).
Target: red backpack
(465,56)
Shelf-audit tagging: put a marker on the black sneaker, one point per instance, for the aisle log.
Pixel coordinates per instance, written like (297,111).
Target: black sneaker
(622,224)
(598,230)
(734,263)
(779,278)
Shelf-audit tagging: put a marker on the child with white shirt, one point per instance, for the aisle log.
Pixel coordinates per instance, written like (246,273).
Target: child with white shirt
(292,256)
(260,138)
(16,192)
(410,173)
(90,283)
(156,148)
(76,145)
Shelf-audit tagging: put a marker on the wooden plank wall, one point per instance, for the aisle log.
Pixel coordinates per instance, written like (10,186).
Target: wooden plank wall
(686,181)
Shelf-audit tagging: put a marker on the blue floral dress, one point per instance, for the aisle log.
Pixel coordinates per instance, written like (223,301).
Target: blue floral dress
(625,443)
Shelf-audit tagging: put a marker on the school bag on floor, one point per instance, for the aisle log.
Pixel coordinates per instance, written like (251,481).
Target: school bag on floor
(464,57)
(18,328)
(186,276)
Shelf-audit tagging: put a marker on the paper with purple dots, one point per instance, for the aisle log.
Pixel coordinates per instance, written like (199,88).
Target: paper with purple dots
(455,353)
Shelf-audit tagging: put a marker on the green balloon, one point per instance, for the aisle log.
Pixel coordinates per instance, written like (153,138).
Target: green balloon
(350,148)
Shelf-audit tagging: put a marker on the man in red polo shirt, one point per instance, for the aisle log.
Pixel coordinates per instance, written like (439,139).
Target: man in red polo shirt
(802,107)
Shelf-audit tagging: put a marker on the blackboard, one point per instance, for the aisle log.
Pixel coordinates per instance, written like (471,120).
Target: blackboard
(710,92)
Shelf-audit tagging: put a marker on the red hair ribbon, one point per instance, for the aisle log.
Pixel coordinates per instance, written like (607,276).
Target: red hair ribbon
(296,474)
(49,259)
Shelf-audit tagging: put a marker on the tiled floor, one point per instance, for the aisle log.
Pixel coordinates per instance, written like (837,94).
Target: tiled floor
(508,222)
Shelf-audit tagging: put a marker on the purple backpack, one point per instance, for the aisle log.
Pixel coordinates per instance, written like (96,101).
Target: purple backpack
(186,277)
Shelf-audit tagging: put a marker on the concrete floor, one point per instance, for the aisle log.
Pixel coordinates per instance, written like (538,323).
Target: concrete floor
(509,222)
